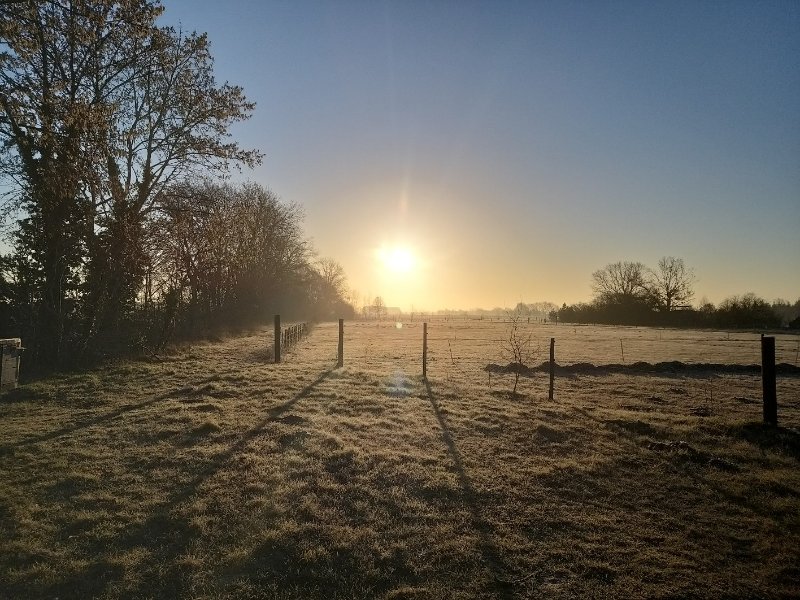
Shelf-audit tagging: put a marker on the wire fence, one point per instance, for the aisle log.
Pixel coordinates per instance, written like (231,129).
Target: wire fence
(465,347)
(704,367)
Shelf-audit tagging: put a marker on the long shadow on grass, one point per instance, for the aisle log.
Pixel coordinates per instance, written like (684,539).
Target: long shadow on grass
(89,422)
(216,463)
(491,555)
(165,534)
(698,464)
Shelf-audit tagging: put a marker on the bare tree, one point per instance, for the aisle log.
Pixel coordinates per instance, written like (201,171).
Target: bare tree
(522,309)
(333,276)
(379,307)
(100,110)
(518,347)
(671,283)
(621,282)
(58,63)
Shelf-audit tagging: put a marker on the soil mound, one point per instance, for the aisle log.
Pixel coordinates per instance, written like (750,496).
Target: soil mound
(669,367)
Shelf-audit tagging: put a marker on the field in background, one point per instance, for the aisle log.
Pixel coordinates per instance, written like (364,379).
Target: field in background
(211,472)
(463,347)
(473,339)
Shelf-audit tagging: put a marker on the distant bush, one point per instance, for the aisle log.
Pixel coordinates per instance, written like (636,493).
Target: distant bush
(629,293)
(748,311)
(737,312)
(789,313)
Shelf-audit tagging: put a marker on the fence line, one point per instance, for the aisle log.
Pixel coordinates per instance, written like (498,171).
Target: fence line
(286,337)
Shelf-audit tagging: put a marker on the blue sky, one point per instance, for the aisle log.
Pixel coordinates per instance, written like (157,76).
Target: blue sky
(515,147)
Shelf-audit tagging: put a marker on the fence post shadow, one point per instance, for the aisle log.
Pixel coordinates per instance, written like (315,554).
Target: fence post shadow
(221,458)
(488,549)
(95,420)
(117,412)
(150,532)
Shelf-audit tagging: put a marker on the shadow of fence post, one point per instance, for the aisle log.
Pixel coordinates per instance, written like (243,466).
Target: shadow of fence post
(488,549)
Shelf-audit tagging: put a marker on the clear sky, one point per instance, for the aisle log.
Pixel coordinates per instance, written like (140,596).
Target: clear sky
(512,148)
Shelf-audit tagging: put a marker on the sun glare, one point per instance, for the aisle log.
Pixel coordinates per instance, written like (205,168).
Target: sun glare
(397,259)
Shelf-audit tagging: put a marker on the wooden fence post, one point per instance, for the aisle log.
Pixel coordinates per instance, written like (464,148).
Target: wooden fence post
(277,338)
(768,385)
(340,361)
(552,365)
(425,351)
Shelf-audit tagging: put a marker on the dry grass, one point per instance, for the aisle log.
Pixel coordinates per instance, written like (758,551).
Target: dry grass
(212,473)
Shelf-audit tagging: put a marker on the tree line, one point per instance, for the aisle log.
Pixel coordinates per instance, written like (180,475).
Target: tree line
(114,137)
(630,293)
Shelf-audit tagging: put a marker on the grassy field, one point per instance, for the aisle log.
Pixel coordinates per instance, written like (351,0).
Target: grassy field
(212,473)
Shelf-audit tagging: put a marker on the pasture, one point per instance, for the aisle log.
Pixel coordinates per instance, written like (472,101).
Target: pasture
(210,472)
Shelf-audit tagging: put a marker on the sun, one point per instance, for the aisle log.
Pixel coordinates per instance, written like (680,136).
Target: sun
(397,259)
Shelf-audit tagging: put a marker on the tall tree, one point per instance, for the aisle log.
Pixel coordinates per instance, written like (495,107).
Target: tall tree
(671,283)
(172,120)
(101,110)
(49,125)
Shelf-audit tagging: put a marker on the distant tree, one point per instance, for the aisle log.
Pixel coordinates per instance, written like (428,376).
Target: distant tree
(542,309)
(378,307)
(351,297)
(580,313)
(329,294)
(620,282)
(789,313)
(671,283)
(707,312)
(747,311)
(522,309)
(333,277)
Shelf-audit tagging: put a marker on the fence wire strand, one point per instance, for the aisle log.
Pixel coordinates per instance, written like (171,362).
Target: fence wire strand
(467,347)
